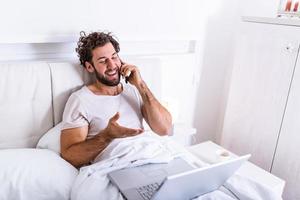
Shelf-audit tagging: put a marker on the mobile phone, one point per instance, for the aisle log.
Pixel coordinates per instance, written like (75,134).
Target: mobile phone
(126,77)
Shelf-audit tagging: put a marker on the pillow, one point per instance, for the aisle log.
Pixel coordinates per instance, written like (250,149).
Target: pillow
(51,139)
(28,174)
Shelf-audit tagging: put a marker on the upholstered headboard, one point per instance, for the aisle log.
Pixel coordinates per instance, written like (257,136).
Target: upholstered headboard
(33,96)
(31,93)
(66,77)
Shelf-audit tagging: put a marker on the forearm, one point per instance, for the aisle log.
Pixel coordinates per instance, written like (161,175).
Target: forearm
(158,117)
(86,151)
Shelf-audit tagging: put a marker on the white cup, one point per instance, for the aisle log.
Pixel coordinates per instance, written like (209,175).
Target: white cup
(222,155)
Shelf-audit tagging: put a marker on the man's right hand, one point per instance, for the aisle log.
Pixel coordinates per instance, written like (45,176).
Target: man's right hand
(114,130)
(79,151)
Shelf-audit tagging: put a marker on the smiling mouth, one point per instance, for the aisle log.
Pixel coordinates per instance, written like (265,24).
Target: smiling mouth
(112,72)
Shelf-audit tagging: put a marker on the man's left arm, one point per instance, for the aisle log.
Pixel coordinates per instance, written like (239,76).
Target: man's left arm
(157,116)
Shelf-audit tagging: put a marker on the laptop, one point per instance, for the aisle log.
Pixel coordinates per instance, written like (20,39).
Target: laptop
(174,180)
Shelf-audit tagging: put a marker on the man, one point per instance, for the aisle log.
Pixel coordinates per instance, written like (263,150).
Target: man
(107,109)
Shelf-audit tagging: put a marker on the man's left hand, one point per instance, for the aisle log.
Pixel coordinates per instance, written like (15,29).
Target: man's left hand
(132,74)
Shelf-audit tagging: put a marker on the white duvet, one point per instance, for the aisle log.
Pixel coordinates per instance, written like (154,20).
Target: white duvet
(92,182)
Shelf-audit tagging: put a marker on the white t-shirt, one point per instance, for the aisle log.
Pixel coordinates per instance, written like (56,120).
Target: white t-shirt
(86,108)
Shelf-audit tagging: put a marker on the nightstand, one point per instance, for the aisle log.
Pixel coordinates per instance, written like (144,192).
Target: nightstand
(208,152)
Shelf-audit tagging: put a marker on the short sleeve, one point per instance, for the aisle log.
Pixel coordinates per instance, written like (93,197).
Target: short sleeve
(74,114)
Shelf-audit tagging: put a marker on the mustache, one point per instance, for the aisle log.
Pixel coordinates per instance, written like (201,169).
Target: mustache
(118,69)
(114,69)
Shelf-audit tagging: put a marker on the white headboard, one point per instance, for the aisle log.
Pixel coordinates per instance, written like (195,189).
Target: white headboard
(25,103)
(33,93)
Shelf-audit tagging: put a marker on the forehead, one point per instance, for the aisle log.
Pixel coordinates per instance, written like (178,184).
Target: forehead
(104,51)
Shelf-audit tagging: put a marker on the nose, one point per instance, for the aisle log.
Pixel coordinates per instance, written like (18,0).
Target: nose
(110,63)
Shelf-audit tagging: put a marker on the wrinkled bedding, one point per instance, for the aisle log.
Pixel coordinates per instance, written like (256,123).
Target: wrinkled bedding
(93,183)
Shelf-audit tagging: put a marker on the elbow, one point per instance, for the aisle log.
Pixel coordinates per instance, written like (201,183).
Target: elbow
(70,159)
(168,126)
(163,132)
(165,129)
(168,130)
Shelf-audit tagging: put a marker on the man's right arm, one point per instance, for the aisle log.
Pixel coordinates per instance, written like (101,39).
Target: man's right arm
(79,151)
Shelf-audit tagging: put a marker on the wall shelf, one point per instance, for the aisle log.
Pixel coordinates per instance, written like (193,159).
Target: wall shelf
(276,21)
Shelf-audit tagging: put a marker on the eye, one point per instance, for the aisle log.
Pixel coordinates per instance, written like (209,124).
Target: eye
(102,61)
(115,57)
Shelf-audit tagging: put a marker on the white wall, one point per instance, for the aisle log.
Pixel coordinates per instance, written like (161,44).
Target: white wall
(216,67)
(218,55)
(131,19)
(212,23)
(25,23)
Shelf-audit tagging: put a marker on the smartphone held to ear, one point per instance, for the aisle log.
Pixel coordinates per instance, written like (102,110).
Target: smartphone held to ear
(127,74)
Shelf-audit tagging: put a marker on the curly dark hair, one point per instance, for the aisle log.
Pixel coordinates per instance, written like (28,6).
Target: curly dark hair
(89,42)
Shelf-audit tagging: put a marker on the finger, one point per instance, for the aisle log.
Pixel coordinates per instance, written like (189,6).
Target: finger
(124,68)
(127,73)
(115,117)
(140,130)
(132,132)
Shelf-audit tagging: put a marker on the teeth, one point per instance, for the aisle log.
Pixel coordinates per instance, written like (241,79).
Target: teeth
(112,73)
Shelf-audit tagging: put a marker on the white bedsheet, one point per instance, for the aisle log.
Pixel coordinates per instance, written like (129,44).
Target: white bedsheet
(93,183)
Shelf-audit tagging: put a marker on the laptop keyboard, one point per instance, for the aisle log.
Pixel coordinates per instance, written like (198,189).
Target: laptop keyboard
(147,191)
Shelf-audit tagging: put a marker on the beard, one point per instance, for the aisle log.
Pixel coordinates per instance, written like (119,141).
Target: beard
(102,78)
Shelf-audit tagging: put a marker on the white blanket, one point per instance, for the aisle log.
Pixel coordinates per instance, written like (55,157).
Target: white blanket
(93,183)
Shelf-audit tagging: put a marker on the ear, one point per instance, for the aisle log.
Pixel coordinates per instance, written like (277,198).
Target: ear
(89,67)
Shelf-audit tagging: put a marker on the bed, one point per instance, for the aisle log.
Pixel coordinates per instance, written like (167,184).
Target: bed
(32,96)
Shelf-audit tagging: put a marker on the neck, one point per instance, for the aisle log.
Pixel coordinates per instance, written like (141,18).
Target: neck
(107,90)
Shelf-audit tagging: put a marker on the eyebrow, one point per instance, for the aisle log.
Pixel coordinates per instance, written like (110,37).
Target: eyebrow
(105,57)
